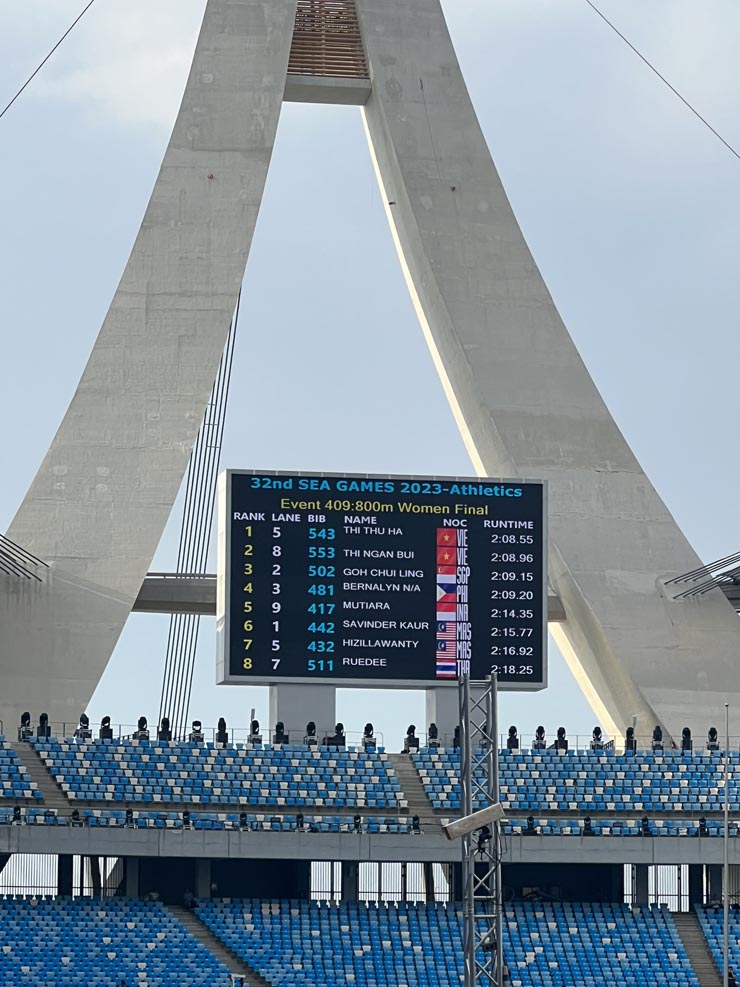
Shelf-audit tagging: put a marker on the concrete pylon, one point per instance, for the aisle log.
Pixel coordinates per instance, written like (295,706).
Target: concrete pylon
(520,393)
(105,489)
(524,401)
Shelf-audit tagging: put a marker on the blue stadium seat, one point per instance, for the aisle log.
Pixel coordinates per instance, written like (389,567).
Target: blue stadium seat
(350,944)
(82,942)
(14,780)
(592,781)
(278,777)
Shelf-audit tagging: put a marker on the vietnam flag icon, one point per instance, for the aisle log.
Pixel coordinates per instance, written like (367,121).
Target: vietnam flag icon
(447,536)
(445,556)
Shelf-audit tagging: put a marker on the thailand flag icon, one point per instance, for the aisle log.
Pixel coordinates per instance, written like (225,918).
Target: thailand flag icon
(446,668)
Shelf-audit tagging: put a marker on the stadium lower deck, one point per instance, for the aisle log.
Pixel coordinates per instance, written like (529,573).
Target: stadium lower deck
(49,942)
(586,832)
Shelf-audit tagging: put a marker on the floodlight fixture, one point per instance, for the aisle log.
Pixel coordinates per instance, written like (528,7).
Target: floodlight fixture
(416,826)
(186,818)
(357,822)
(106,731)
(456,739)
(83,731)
(597,740)
(255,737)
(164,733)
(280,736)
(411,741)
(25,730)
(588,829)
(299,822)
(657,738)
(196,732)
(539,743)
(142,729)
(512,741)
(712,739)
(630,744)
(43,729)
(222,734)
(687,744)
(484,838)
(368,737)
(476,820)
(310,739)
(561,744)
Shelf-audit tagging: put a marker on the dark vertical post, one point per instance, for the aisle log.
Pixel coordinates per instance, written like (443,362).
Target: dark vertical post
(64,875)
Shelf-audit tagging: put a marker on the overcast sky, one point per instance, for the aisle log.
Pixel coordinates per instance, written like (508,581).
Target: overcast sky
(630,207)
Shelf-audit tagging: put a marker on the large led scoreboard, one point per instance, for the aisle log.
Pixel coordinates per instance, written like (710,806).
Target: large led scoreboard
(381,580)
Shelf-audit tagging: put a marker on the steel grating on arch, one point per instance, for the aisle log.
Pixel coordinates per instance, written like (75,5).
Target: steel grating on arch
(327,41)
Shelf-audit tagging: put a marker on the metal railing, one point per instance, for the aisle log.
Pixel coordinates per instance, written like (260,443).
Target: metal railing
(236,735)
(240,735)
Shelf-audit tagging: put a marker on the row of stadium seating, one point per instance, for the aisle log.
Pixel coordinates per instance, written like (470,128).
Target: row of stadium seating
(129,771)
(589,781)
(64,942)
(254,822)
(280,823)
(276,777)
(293,943)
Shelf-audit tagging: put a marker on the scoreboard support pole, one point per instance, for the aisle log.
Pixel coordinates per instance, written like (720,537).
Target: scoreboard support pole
(481,851)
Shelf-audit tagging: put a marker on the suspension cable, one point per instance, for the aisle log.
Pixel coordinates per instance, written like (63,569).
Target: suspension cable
(41,64)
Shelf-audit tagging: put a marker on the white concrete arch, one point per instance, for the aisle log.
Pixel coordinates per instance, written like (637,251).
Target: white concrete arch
(524,400)
(522,397)
(102,496)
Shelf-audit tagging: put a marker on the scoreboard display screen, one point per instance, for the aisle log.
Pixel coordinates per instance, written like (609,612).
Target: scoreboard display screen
(381,580)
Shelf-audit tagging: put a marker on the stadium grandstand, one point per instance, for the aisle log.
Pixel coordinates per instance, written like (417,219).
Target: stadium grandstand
(298,864)
(298,852)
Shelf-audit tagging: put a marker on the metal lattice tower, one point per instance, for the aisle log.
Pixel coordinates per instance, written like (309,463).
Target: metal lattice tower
(481,851)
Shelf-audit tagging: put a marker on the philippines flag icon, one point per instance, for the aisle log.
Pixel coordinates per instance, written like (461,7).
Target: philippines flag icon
(447,536)
(443,596)
(446,630)
(446,668)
